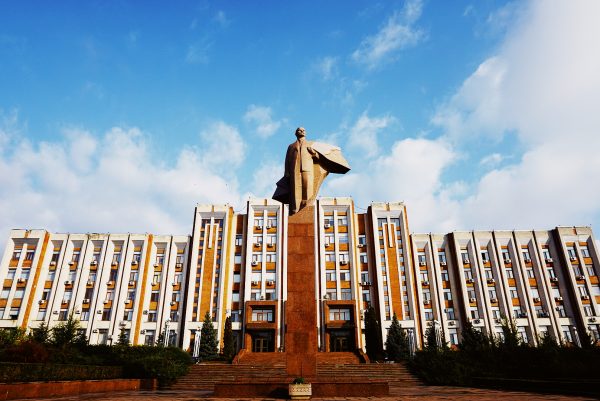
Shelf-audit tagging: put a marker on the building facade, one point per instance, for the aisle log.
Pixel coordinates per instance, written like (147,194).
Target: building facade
(234,265)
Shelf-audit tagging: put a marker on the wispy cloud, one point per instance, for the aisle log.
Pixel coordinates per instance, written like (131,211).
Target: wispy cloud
(198,53)
(262,117)
(363,135)
(326,67)
(221,19)
(399,32)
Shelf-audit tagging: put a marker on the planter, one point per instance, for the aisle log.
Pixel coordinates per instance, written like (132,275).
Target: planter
(300,391)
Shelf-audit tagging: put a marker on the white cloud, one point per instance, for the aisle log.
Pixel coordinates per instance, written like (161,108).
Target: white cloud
(543,87)
(262,117)
(113,183)
(363,135)
(221,19)
(198,53)
(491,160)
(224,147)
(264,179)
(411,172)
(398,33)
(326,67)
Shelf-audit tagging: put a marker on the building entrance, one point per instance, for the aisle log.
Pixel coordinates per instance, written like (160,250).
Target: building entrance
(340,341)
(263,342)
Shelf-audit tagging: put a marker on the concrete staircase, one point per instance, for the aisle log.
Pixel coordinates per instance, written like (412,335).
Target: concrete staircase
(271,367)
(396,374)
(203,376)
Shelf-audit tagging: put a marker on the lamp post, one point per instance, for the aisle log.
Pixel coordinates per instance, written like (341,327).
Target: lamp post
(166,339)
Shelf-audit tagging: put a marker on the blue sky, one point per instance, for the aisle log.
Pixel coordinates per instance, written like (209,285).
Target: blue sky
(121,116)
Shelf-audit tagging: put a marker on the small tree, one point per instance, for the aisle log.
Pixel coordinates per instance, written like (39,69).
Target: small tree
(431,339)
(40,334)
(396,344)
(11,336)
(123,338)
(374,344)
(474,340)
(228,346)
(511,337)
(208,339)
(160,340)
(66,333)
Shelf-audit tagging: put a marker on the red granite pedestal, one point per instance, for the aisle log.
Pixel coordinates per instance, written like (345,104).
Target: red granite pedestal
(301,309)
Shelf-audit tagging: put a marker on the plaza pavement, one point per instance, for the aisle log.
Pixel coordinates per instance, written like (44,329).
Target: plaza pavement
(436,393)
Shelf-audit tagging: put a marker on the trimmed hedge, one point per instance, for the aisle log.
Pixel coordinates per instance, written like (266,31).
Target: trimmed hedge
(30,372)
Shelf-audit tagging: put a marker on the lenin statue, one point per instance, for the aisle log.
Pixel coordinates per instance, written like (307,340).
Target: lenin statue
(307,163)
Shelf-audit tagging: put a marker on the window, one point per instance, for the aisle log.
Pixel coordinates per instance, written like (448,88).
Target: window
(106,313)
(236,277)
(271,257)
(530,273)
(154,296)
(343,238)
(488,274)
(130,295)
(85,315)
(331,294)
(258,222)
(571,252)
(587,310)
(41,315)
(447,295)
(421,257)
(149,339)
(496,313)
(329,257)
(16,255)
(5,292)
(128,315)
(453,336)
(239,239)
(344,257)
(29,255)
(235,297)
(474,314)
(262,315)
(257,257)
(160,259)
(492,294)
(24,274)
(362,239)
(465,257)
(346,294)
(546,254)
(271,239)
(468,274)
(505,255)
(258,239)
(363,258)
(174,316)
(63,314)
(156,278)
(176,296)
(428,314)
(152,316)
(339,314)
(11,274)
(514,294)
(272,221)
(510,273)
(450,314)
(442,257)
(343,221)
(366,296)
(73,275)
(590,270)
(116,258)
(255,295)
(526,256)
(19,293)
(485,256)
(330,276)
(364,277)
(445,276)
(585,252)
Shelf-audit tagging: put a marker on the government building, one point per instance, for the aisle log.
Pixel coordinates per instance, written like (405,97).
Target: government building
(235,265)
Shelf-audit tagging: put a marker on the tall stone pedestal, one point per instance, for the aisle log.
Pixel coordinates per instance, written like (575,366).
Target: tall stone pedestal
(301,310)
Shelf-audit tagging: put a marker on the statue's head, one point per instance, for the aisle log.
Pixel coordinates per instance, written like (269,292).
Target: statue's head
(300,132)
